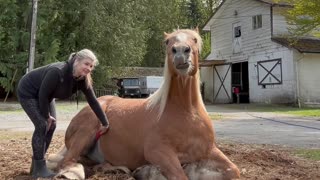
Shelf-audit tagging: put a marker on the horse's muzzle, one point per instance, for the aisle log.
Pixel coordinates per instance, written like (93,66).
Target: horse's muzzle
(183,66)
(181,61)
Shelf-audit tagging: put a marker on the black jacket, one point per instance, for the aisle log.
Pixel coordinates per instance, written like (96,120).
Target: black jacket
(56,81)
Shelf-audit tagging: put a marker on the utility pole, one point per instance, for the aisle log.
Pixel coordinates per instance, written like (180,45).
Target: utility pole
(33,35)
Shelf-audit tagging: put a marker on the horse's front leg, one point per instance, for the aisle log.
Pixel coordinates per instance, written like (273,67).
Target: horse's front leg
(77,145)
(164,157)
(230,170)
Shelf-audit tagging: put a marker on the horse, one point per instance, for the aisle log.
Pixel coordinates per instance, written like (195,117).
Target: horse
(167,129)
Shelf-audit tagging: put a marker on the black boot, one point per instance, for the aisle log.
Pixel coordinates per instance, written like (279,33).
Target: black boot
(39,169)
(31,167)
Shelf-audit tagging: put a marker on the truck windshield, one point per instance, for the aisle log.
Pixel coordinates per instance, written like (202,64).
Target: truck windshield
(131,82)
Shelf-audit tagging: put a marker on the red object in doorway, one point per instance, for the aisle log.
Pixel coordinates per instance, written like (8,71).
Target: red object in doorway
(236,90)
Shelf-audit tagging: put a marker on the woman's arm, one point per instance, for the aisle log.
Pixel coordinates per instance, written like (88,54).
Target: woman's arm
(95,106)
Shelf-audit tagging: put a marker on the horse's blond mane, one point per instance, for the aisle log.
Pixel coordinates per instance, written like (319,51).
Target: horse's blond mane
(159,98)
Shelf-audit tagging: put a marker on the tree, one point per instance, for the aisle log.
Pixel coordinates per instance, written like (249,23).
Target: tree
(197,13)
(159,17)
(304,16)
(14,41)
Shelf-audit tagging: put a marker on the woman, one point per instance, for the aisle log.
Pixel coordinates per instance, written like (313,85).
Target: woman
(37,91)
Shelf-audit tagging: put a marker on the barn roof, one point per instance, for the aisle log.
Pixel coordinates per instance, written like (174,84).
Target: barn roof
(209,63)
(303,45)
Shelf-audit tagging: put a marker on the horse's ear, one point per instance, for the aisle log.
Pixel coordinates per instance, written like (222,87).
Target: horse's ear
(197,29)
(165,35)
(166,38)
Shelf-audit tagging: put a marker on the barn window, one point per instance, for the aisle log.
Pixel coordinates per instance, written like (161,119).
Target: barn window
(237,31)
(269,72)
(257,21)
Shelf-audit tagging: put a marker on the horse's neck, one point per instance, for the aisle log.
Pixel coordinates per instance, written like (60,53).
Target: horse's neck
(185,92)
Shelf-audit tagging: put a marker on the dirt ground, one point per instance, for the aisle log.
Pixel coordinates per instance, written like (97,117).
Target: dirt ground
(255,161)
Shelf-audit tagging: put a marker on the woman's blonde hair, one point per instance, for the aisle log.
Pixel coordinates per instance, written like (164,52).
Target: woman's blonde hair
(85,54)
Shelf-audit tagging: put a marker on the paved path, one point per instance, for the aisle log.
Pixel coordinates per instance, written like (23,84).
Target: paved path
(238,126)
(266,128)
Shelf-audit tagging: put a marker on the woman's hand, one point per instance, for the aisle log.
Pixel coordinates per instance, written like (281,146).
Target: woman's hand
(50,120)
(104,129)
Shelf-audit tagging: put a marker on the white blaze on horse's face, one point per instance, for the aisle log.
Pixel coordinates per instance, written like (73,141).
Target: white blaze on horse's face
(182,53)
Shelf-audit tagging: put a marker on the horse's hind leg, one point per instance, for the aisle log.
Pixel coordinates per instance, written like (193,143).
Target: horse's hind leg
(54,159)
(230,170)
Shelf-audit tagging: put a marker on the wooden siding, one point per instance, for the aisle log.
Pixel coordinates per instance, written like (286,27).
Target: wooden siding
(281,93)
(253,41)
(280,25)
(308,77)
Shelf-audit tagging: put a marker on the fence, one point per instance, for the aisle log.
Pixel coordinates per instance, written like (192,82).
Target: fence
(103,92)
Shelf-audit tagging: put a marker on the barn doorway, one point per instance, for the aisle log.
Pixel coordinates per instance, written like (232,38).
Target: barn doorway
(240,82)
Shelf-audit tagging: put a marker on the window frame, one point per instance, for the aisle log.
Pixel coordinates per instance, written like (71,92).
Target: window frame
(257,22)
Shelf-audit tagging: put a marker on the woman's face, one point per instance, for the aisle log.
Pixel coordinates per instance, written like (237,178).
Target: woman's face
(83,67)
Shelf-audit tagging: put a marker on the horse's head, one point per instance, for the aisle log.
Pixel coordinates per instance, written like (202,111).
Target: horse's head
(183,48)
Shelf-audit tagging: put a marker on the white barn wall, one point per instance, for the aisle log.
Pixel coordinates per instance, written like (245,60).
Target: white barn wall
(252,40)
(309,84)
(280,25)
(282,93)
(206,75)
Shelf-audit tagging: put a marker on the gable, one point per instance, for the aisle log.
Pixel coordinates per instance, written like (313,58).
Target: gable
(225,3)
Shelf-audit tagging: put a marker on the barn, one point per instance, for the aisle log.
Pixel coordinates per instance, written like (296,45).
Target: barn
(252,60)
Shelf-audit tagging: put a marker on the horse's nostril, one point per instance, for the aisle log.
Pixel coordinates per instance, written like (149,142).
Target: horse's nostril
(174,50)
(187,50)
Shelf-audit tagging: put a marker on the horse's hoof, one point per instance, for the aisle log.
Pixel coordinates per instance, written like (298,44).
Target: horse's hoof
(202,171)
(106,167)
(149,172)
(232,173)
(53,160)
(75,171)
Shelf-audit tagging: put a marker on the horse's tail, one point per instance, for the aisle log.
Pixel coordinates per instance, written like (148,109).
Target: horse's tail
(54,159)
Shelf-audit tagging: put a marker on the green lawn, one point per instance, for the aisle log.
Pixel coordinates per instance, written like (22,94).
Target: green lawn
(313,154)
(281,109)
(304,112)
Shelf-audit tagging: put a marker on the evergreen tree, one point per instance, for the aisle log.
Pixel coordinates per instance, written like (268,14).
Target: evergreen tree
(14,41)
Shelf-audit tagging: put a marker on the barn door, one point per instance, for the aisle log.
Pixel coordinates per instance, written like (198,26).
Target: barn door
(222,83)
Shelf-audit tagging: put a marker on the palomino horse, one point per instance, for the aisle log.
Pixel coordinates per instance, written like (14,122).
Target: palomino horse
(170,128)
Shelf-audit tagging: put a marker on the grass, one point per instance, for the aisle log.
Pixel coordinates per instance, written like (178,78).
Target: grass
(313,154)
(215,116)
(305,112)
(281,109)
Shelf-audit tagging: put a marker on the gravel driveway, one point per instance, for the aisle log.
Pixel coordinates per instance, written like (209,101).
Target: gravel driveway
(238,125)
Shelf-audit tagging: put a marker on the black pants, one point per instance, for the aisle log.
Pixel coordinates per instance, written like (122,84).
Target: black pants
(41,138)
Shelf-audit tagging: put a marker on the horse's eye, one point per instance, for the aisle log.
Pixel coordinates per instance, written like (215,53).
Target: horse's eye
(174,50)
(195,40)
(167,41)
(187,50)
